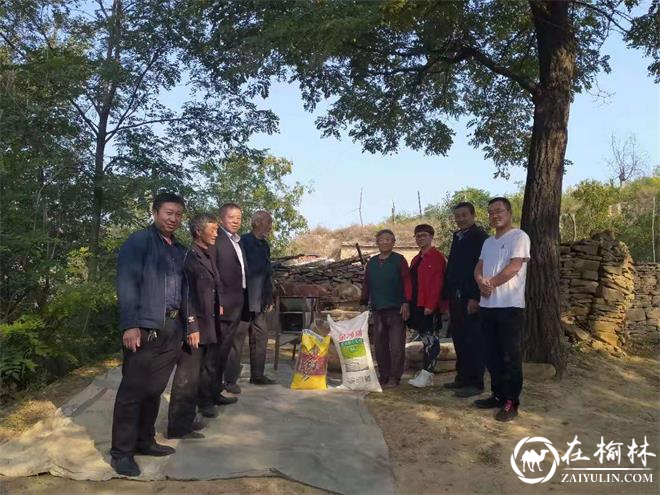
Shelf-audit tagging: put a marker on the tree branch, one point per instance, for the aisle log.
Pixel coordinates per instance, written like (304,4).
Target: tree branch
(489,63)
(105,12)
(134,93)
(608,15)
(463,52)
(154,121)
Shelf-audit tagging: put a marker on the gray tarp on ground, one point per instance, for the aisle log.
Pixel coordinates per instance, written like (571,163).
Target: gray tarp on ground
(326,439)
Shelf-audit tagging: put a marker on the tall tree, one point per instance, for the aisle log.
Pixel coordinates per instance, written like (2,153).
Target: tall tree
(41,177)
(399,71)
(256,183)
(128,54)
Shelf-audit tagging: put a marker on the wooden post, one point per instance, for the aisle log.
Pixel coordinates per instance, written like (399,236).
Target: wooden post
(653,228)
(357,246)
(360,209)
(419,203)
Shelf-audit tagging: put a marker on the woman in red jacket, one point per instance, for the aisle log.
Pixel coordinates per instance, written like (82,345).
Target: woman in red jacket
(427,272)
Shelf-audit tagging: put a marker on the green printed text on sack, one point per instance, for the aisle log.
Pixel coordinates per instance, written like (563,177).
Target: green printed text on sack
(353,348)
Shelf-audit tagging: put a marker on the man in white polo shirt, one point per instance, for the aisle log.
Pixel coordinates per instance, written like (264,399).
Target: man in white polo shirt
(501,274)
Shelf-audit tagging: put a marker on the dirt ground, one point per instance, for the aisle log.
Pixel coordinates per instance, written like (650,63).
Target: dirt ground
(441,444)
(438,443)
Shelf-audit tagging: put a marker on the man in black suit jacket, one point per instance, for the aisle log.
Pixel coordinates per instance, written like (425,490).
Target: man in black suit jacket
(232,267)
(196,380)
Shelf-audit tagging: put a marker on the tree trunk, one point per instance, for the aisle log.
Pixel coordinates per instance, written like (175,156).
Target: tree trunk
(107,101)
(543,336)
(97,200)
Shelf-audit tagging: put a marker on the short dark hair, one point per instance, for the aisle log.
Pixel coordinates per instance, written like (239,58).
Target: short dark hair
(465,204)
(199,221)
(167,197)
(383,232)
(503,200)
(424,227)
(229,206)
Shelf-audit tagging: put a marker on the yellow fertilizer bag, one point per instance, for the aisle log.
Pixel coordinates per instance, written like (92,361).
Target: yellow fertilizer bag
(312,363)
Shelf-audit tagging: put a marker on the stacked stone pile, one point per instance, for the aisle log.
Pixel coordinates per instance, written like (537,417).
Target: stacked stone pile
(597,287)
(350,270)
(643,318)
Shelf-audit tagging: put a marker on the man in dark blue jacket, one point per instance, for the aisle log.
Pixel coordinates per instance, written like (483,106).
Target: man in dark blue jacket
(463,294)
(150,290)
(259,292)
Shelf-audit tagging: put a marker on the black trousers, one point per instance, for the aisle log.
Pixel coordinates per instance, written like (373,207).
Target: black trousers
(209,380)
(502,329)
(390,342)
(258,337)
(229,353)
(185,390)
(468,340)
(145,374)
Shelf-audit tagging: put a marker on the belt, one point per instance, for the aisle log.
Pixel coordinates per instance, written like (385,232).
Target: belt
(172,314)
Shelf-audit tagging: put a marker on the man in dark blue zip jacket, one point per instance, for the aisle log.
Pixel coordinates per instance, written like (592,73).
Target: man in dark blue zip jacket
(462,292)
(150,290)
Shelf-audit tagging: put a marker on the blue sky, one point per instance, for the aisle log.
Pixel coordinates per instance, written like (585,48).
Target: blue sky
(337,170)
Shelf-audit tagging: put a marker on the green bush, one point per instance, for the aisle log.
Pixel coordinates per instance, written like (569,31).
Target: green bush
(78,327)
(21,349)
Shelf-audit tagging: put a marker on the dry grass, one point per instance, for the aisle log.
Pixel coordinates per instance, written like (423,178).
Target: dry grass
(33,406)
(327,242)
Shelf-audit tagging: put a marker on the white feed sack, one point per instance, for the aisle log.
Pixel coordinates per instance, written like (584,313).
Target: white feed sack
(351,338)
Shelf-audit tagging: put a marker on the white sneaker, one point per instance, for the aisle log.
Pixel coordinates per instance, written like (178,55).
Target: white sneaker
(413,379)
(422,379)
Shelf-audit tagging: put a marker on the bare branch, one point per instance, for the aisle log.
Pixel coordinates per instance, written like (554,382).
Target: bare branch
(627,160)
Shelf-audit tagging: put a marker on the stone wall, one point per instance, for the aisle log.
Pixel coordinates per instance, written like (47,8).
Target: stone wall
(606,296)
(597,289)
(643,318)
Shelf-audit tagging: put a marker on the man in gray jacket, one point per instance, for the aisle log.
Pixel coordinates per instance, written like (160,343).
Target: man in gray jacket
(259,292)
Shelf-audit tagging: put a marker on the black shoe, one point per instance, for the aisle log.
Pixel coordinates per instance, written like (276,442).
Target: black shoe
(469,391)
(221,400)
(508,412)
(453,385)
(155,450)
(126,466)
(490,403)
(199,425)
(232,388)
(263,380)
(209,411)
(191,435)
